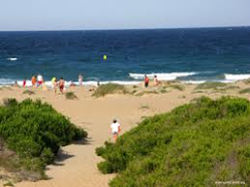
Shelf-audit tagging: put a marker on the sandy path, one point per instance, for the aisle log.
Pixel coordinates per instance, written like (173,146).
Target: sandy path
(77,163)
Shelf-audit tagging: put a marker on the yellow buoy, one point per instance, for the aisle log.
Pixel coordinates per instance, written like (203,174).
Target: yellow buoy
(105,57)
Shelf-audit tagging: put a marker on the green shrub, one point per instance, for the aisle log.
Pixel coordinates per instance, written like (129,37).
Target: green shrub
(144,107)
(147,92)
(163,91)
(244,91)
(9,102)
(247,81)
(190,146)
(70,95)
(211,85)
(35,131)
(109,89)
(9,183)
(232,87)
(177,87)
(29,92)
(133,92)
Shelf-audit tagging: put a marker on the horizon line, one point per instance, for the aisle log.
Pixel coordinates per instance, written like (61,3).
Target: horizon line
(117,29)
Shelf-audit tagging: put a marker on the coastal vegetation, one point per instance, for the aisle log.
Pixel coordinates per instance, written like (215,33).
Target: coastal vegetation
(177,87)
(246,81)
(70,95)
(146,92)
(110,88)
(245,91)
(196,144)
(211,85)
(32,133)
(29,92)
(144,107)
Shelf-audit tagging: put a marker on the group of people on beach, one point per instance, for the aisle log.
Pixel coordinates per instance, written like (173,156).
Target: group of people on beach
(156,82)
(38,81)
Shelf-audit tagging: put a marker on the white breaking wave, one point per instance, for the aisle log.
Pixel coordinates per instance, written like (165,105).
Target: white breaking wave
(4,81)
(203,81)
(236,77)
(12,59)
(162,76)
(194,82)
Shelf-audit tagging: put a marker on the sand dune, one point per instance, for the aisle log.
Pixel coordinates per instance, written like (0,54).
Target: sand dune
(76,165)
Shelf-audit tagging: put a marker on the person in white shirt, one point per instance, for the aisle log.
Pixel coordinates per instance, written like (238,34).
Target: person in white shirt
(115,129)
(39,79)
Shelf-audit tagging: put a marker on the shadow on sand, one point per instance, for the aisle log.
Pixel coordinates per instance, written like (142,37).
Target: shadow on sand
(63,155)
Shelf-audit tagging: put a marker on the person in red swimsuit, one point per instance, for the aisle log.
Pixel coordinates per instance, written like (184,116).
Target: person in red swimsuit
(61,84)
(146,81)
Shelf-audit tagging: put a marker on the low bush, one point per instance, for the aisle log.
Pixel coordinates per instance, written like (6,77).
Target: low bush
(147,92)
(246,81)
(232,87)
(177,87)
(211,85)
(70,95)
(196,144)
(244,91)
(163,91)
(109,89)
(35,131)
(144,107)
(29,92)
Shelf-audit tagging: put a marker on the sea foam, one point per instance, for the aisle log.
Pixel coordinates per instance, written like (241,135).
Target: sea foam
(162,76)
(12,59)
(236,77)
(4,81)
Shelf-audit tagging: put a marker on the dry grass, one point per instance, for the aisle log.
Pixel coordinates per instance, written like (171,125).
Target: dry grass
(147,92)
(247,81)
(106,89)
(70,95)
(29,92)
(144,107)
(245,91)
(177,87)
(211,85)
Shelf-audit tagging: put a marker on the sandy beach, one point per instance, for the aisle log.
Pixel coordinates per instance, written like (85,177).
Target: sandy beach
(76,164)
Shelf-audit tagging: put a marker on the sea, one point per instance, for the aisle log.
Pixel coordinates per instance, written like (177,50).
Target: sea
(192,55)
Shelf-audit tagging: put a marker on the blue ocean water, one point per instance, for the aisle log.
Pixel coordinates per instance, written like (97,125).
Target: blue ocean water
(186,54)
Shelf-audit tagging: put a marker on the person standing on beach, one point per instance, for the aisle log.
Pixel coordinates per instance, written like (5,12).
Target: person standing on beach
(39,80)
(24,82)
(54,83)
(33,81)
(146,81)
(156,81)
(61,84)
(80,79)
(115,128)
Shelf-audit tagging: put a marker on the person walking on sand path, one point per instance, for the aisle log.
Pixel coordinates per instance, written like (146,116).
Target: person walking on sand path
(146,81)
(61,84)
(115,128)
